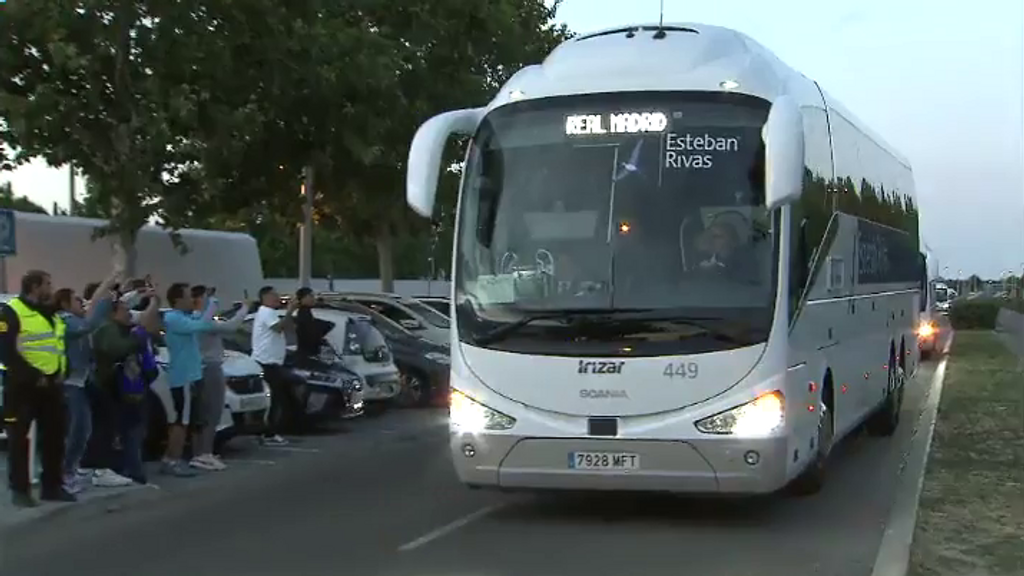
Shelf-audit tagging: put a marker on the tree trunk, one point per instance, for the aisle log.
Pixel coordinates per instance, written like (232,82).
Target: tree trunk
(385,257)
(125,254)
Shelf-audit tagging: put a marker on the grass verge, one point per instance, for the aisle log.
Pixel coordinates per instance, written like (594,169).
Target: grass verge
(971,516)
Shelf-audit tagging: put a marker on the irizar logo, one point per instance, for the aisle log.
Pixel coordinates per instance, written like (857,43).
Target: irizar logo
(592,367)
(594,394)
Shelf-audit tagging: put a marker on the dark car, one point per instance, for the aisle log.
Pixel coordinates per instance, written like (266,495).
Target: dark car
(329,389)
(423,364)
(439,303)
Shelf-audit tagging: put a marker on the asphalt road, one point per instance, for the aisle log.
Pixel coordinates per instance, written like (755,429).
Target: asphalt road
(382,500)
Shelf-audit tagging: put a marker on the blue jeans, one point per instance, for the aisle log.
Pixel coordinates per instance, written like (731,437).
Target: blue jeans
(79,426)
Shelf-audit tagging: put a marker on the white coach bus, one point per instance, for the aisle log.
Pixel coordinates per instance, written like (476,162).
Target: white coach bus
(679,266)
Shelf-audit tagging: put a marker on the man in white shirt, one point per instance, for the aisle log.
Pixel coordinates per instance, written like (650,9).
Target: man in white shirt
(269,347)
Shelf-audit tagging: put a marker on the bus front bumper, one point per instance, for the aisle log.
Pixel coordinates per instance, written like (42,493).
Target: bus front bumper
(714,465)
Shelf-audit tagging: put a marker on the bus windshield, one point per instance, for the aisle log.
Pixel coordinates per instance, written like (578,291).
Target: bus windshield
(609,203)
(941,295)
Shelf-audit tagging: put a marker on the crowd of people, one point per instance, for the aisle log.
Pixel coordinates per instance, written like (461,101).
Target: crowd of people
(80,367)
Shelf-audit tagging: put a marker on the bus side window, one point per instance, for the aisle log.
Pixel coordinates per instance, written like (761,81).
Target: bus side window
(800,255)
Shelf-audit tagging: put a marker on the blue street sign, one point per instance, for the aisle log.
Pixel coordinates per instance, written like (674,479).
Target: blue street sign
(8,241)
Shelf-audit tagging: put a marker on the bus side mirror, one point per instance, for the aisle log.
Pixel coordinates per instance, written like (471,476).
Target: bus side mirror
(783,136)
(427,152)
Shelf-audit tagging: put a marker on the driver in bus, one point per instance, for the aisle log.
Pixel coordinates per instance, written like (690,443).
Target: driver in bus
(722,249)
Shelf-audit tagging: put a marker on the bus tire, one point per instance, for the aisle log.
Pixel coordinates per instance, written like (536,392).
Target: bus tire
(812,479)
(887,419)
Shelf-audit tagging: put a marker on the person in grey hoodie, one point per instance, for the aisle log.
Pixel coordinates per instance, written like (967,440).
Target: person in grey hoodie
(211,346)
(80,324)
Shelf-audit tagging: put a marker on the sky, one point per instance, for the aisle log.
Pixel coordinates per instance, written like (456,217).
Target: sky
(941,81)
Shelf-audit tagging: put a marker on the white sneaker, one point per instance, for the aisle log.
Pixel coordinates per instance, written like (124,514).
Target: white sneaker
(208,462)
(275,440)
(107,478)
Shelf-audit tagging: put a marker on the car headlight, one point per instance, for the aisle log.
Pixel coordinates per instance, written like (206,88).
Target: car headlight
(756,418)
(439,357)
(926,330)
(468,415)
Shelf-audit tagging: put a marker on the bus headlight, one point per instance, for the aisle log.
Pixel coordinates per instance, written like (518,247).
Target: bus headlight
(468,415)
(757,418)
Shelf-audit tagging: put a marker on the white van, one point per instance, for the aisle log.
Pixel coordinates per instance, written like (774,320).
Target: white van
(229,261)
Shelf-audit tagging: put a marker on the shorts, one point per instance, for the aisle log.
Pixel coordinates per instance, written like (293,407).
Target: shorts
(186,405)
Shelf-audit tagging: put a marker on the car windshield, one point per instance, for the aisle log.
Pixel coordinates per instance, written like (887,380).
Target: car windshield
(610,203)
(941,295)
(429,314)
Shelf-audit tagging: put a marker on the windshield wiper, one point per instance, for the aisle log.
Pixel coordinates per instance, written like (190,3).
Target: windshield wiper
(708,325)
(506,330)
(606,316)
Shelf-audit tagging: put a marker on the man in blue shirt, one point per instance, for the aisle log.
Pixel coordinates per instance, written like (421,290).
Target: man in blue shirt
(184,372)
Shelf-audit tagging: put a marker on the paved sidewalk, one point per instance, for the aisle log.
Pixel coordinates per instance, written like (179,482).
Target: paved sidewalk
(12,516)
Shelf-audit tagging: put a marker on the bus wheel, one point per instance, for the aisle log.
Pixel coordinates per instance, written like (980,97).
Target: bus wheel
(812,479)
(887,419)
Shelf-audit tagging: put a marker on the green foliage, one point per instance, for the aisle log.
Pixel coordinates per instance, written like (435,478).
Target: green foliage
(20,203)
(977,314)
(205,113)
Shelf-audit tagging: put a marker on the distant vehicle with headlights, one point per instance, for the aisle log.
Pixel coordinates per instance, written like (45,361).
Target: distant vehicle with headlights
(680,266)
(930,323)
(944,296)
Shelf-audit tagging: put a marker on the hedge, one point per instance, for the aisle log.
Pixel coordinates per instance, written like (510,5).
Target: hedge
(977,314)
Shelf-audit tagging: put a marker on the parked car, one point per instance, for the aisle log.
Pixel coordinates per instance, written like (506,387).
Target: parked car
(329,390)
(361,348)
(414,316)
(440,303)
(424,365)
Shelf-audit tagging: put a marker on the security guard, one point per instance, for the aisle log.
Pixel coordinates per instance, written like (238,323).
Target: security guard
(32,350)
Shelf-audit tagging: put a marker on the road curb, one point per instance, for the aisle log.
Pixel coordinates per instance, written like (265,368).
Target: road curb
(107,501)
(893,556)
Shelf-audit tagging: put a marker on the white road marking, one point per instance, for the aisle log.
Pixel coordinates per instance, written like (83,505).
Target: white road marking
(293,449)
(449,528)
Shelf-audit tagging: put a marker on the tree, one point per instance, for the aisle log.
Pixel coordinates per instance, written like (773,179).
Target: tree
(118,87)
(20,203)
(451,54)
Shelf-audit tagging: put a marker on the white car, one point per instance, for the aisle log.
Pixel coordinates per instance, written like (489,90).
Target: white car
(415,316)
(360,347)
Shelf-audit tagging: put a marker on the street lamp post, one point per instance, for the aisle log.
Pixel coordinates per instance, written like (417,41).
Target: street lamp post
(306,232)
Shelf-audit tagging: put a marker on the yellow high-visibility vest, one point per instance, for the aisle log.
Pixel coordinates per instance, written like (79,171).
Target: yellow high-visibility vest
(40,343)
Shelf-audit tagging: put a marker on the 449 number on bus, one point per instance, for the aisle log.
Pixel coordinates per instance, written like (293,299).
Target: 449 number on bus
(684,370)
